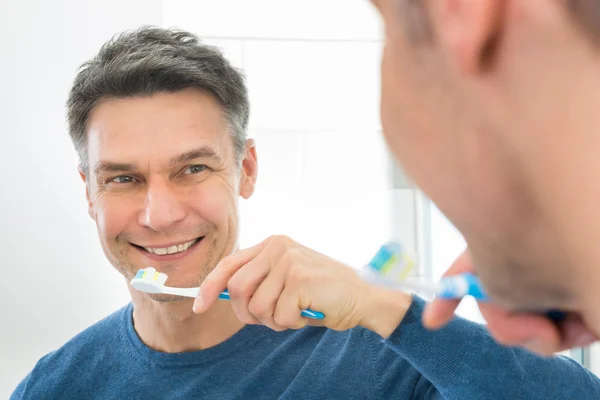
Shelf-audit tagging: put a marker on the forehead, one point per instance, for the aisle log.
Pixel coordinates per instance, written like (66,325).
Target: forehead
(136,129)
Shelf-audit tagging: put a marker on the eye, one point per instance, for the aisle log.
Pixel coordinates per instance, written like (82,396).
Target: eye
(194,169)
(122,179)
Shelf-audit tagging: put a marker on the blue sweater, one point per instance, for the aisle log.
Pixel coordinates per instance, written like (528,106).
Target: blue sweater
(108,361)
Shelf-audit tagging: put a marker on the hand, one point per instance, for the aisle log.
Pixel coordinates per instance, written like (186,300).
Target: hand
(532,331)
(273,281)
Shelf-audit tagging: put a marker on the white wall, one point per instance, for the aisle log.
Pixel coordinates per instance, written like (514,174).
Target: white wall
(314,85)
(313,78)
(50,253)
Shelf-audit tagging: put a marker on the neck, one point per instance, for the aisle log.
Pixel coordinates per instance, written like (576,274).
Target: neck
(172,327)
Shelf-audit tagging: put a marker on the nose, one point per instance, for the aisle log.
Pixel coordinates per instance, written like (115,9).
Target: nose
(163,208)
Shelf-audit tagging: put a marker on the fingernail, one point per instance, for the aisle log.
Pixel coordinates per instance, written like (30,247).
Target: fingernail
(198,303)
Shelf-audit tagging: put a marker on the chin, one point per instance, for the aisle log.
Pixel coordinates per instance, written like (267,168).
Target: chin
(167,298)
(519,288)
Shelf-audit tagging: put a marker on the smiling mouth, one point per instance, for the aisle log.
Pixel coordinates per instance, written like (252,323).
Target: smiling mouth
(174,249)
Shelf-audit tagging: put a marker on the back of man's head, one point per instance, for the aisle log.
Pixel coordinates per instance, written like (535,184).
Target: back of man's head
(492,108)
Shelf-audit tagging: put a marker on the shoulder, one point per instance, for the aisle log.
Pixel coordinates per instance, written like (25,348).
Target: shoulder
(70,361)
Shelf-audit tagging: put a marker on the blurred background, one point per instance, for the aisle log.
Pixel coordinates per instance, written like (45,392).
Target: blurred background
(325,177)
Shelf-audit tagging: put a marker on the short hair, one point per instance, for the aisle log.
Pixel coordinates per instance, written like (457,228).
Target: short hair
(148,60)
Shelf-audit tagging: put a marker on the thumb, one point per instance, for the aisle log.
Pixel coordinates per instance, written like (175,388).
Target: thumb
(439,312)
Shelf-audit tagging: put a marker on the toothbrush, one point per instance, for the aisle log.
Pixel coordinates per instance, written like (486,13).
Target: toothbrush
(391,265)
(149,280)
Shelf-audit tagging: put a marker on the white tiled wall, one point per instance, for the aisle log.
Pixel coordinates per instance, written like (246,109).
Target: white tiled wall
(313,84)
(314,90)
(354,20)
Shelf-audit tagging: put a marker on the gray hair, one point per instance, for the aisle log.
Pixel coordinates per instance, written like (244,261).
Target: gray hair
(150,60)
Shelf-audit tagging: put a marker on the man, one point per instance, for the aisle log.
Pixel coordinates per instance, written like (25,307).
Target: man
(159,122)
(492,108)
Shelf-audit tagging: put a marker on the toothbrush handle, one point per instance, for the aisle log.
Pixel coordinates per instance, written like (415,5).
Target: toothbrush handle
(308,313)
(458,286)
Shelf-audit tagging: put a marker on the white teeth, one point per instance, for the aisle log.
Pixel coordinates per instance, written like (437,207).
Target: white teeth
(171,249)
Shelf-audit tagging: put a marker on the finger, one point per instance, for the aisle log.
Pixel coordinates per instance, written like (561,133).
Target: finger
(439,312)
(575,333)
(265,298)
(288,310)
(217,279)
(242,286)
(532,331)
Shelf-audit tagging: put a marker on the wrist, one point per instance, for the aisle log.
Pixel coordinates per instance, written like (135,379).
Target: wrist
(386,310)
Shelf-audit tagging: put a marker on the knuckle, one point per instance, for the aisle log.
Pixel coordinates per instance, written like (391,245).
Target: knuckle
(237,288)
(258,308)
(281,238)
(280,242)
(281,320)
(244,317)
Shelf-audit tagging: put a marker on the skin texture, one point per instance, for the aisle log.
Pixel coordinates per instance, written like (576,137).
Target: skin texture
(490,107)
(163,172)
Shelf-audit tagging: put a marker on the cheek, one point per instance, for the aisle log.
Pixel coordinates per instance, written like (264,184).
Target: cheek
(113,216)
(215,204)
(395,111)
(404,118)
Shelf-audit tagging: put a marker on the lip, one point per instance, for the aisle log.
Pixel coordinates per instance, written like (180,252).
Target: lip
(167,257)
(163,245)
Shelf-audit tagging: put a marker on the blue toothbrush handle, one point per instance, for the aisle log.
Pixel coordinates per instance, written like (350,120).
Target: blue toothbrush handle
(458,286)
(308,313)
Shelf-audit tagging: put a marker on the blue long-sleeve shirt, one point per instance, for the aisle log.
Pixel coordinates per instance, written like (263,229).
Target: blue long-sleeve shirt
(461,361)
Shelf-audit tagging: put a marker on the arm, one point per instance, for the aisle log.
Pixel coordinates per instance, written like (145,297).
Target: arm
(271,282)
(462,361)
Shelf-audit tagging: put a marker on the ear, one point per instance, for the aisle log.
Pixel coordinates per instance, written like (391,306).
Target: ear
(468,31)
(87,194)
(249,171)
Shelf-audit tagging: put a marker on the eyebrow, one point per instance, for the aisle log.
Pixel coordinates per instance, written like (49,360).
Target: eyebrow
(109,166)
(202,152)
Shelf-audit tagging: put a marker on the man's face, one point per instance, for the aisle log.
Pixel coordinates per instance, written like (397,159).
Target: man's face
(475,142)
(163,184)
